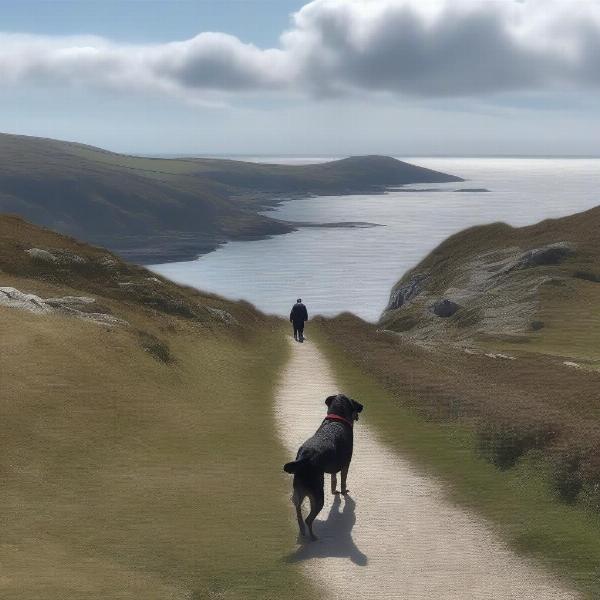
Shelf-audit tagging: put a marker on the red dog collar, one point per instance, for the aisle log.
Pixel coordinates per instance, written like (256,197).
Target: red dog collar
(332,417)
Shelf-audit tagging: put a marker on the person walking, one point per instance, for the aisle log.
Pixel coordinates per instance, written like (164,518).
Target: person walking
(298,316)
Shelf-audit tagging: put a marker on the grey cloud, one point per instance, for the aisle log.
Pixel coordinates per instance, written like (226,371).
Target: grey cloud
(411,47)
(459,48)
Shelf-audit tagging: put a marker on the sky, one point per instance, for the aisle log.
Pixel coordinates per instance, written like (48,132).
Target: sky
(327,77)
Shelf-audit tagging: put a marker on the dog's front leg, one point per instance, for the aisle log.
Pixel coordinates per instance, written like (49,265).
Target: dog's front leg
(334,484)
(344,476)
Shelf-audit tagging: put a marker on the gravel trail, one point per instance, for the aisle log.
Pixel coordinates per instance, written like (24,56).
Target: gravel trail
(396,535)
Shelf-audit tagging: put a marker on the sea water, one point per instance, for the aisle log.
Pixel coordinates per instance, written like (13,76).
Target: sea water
(335,270)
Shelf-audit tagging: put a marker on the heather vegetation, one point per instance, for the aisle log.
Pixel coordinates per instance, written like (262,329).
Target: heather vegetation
(513,441)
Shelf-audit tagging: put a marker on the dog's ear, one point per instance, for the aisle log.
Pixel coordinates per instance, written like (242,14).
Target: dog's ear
(357,406)
(329,400)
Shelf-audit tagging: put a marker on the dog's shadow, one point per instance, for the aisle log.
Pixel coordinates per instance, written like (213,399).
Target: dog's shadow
(335,535)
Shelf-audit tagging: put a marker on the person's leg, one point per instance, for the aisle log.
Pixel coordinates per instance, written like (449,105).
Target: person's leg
(301,332)
(295,331)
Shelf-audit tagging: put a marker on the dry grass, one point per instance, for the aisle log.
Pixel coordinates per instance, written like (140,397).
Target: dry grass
(138,461)
(487,429)
(548,307)
(513,407)
(126,477)
(547,399)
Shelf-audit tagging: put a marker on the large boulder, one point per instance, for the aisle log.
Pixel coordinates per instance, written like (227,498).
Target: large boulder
(445,308)
(13,298)
(57,255)
(404,293)
(42,255)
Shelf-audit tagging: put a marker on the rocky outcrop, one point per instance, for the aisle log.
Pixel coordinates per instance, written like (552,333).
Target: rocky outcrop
(41,255)
(489,293)
(445,308)
(69,305)
(55,255)
(222,315)
(404,293)
(552,254)
(68,301)
(13,298)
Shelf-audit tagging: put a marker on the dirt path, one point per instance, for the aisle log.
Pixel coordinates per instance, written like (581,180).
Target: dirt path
(396,535)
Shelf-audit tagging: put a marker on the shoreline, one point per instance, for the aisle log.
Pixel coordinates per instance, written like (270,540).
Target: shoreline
(189,247)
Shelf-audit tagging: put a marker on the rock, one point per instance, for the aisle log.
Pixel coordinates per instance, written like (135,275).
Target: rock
(445,308)
(13,298)
(552,254)
(108,261)
(102,318)
(537,325)
(222,315)
(406,292)
(69,300)
(42,255)
(56,256)
(68,257)
(498,355)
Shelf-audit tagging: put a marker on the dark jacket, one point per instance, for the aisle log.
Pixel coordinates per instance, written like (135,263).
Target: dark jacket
(299,314)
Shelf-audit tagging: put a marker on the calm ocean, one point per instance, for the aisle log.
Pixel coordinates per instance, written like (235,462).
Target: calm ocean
(337,270)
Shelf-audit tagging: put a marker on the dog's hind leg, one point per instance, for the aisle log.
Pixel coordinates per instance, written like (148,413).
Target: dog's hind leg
(300,521)
(316,504)
(297,499)
(344,476)
(334,484)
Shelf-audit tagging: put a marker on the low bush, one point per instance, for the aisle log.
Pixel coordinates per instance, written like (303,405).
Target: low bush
(504,442)
(155,347)
(513,407)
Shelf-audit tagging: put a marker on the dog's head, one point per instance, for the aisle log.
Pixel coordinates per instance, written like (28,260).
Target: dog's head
(343,406)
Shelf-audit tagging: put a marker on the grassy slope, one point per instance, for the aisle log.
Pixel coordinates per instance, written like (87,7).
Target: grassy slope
(151,208)
(518,440)
(518,501)
(566,305)
(125,476)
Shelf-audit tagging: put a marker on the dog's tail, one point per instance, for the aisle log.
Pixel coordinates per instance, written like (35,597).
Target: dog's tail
(295,466)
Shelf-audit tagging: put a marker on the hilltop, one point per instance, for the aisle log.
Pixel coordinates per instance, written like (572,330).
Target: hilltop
(533,288)
(485,365)
(157,209)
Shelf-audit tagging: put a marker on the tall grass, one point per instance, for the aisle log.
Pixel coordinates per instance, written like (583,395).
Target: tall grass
(127,476)
(519,499)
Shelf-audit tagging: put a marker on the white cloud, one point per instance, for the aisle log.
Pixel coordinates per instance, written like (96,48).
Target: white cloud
(408,47)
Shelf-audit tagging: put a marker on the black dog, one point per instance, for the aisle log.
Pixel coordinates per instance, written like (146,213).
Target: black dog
(329,450)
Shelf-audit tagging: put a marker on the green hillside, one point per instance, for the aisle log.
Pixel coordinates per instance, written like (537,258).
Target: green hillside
(484,368)
(156,209)
(528,289)
(132,414)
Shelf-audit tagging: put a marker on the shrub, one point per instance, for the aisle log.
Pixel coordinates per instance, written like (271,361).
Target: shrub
(587,276)
(566,476)
(155,347)
(503,442)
